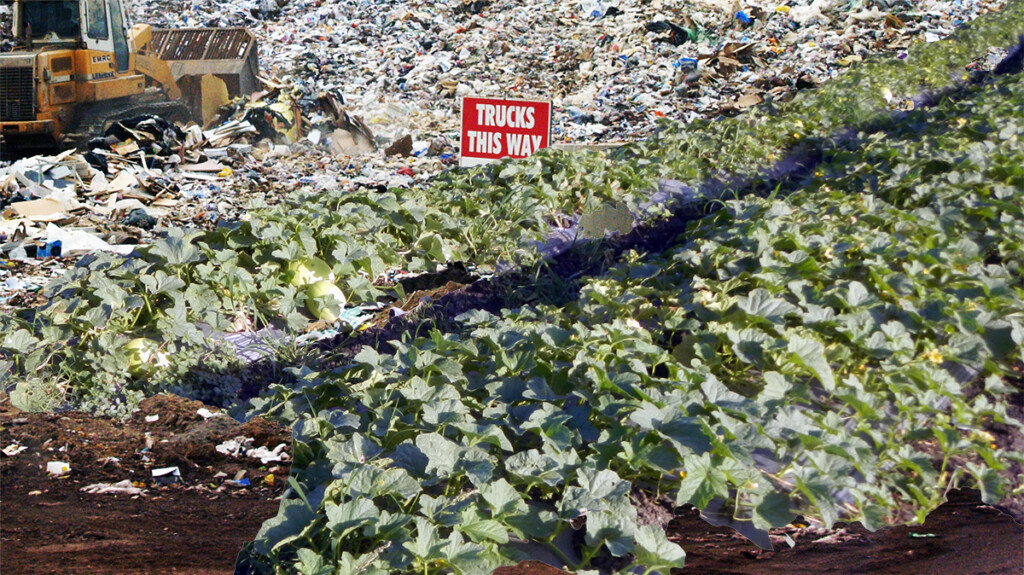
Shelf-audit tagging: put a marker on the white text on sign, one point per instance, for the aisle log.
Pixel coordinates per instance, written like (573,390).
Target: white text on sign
(481,142)
(502,116)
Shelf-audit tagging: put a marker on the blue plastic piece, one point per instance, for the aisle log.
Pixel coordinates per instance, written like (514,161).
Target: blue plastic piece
(51,249)
(744,17)
(686,63)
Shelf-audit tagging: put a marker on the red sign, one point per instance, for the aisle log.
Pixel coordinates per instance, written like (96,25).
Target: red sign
(493,129)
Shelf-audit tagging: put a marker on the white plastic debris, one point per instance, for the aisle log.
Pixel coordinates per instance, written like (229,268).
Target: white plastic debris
(243,447)
(167,474)
(235,447)
(15,284)
(267,455)
(124,487)
(206,413)
(78,242)
(13,449)
(58,468)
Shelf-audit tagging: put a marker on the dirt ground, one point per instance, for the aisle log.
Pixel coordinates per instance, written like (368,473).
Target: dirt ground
(962,537)
(49,525)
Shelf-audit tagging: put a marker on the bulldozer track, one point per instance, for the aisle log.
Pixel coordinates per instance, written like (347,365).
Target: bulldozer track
(94,120)
(91,122)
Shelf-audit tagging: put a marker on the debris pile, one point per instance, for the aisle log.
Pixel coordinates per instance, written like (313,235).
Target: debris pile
(113,196)
(612,68)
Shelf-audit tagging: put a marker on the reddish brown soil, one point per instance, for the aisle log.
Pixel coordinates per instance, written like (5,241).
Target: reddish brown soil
(962,537)
(48,525)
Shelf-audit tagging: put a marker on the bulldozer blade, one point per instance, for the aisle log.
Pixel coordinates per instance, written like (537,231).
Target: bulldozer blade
(230,54)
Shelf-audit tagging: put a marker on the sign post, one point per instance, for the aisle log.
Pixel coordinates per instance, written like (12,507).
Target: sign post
(493,129)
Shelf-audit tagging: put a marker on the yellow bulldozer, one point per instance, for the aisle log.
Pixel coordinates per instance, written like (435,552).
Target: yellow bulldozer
(79,66)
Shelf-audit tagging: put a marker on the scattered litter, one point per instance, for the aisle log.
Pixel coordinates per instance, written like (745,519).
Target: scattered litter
(152,418)
(839,536)
(15,284)
(267,455)
(79,241)
(13,449)
(58,468)
(206,413)
(243,447)
(234,447)
(401,68)
(167,475)
(124,487)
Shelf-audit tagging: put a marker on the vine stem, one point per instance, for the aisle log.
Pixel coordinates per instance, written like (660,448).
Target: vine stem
(558,552)
(588,555)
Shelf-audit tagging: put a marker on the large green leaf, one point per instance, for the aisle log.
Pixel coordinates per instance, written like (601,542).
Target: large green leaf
(293,516)
(702,483)
(762,304)
(347,516)
(503,499)
(811,354)
(427,545)
(654,550)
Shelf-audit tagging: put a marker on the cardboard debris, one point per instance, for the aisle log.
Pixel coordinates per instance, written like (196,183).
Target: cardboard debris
(207,166)
(44,210)
(400,147)
(17,228)
(232,129)
(205,177)
(748,100)
(346,143)
(123,182)
(125,148)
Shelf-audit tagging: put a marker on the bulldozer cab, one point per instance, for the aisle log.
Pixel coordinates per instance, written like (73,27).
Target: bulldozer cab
(48,22)
(92,24)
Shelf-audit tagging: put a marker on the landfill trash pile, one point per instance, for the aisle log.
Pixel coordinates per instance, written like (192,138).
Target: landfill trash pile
(6,31)
(611,67)
(146,175)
